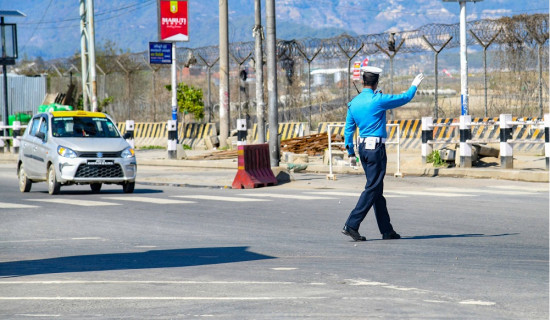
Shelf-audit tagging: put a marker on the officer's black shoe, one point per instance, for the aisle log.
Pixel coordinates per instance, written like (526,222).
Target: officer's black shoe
(354,234)
(391,235)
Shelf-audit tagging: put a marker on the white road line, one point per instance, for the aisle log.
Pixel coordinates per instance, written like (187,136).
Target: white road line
(522,188)
(144,282)
(76,202)
(350,194)
(218,198)
(478,303)
(5,205)
(160,298)
(149,200)
(429,194)
(287,196)
(49,240)
(482,191)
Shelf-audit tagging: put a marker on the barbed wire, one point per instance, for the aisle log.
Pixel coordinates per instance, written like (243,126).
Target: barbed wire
(513,32)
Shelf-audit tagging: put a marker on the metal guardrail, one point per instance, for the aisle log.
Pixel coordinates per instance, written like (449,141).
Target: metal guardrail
(331,175)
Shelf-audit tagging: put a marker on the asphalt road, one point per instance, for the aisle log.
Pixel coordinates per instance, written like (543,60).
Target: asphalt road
(471,249)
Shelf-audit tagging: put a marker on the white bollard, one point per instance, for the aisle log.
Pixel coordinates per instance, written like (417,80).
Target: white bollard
(547,139)
(2,144)
(172,139)
(506,150)
(465,148)
(427,134)
(130,133)
(16,133)
(241,132)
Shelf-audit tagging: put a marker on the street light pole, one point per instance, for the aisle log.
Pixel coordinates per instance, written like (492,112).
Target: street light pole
(274,146)
(463,56)
(224,74)
(463,60)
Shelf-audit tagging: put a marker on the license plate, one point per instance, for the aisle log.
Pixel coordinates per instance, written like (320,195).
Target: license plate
(100,162)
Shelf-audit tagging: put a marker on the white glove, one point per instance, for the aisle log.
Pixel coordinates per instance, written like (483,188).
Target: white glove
(418,79)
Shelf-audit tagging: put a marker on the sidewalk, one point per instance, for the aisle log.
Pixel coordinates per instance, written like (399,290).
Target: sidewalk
(526,168)
(155,169)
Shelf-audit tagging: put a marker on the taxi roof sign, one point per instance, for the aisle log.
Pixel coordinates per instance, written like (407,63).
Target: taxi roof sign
(78,113)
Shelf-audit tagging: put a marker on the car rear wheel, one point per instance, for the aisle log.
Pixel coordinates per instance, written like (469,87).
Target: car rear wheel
(25,183)
(95,187)
(53,184)
(128,187)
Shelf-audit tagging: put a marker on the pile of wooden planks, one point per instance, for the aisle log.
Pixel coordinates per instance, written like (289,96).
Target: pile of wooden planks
(313,145)
(215,155)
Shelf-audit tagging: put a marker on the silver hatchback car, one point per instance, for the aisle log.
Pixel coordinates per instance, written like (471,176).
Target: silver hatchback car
(75,147)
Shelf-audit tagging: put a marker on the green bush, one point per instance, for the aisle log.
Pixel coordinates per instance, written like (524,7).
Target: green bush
(435,158)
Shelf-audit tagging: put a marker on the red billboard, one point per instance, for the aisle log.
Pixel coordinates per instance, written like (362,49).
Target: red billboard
(173,20)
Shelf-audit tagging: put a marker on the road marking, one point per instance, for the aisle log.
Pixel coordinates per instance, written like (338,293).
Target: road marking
(478,303)
(149,200)
(38,315)
(287,196)
(350,194)
(160,298)
(429,194)
(6,205)
(528,189)
(49,240)
(218,198)
(478,191)
(283,269)
(76,202)
(144,282)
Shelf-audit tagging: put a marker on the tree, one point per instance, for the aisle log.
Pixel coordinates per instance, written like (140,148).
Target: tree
(190,100)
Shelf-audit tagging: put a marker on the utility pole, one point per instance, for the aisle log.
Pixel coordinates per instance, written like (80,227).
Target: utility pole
(258,33)
(87,47)
(463,56)
(274,146)
(224,74)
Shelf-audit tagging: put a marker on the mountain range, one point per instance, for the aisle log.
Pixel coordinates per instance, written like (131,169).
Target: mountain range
(51,28)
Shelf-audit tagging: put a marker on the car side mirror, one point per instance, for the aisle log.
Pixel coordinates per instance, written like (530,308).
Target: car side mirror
(41,136)
(127,136)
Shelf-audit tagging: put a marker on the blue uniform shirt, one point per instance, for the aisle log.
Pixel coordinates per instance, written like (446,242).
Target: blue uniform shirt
(367,111)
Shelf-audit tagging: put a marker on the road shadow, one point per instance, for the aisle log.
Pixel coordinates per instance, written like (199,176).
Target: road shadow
(153,259)
(467,235)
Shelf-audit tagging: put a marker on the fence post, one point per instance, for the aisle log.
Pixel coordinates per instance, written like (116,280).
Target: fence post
(465,148)
(506,150)
(547,139)
(16,133)
(130,133)
(427,134)
(172,139)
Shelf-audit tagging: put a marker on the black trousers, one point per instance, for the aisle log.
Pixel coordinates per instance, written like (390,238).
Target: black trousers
(374,163)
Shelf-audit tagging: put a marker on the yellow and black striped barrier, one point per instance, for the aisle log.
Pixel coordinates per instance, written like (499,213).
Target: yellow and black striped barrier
(155,133)
(287,130)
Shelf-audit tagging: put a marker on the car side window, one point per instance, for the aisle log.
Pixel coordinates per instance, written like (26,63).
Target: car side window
(44,127)
(34,126)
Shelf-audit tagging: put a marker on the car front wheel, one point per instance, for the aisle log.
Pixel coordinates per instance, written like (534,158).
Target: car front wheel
(25,183)
(95,187)
(128,187)
(53,184)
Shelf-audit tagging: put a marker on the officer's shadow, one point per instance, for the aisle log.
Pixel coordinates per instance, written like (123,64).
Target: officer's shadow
(467,235)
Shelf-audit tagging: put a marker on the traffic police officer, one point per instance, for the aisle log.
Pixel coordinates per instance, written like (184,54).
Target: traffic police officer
(367,111)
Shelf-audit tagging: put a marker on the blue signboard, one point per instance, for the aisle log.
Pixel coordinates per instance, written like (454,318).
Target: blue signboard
(160,53)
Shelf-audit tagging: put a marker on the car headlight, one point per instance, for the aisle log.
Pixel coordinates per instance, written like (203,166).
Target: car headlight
(128,153)
(66,152)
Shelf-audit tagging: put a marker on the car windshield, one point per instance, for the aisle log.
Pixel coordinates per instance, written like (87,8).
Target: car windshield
(93,127)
